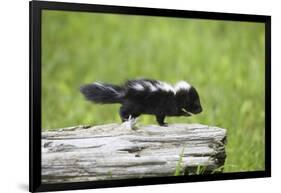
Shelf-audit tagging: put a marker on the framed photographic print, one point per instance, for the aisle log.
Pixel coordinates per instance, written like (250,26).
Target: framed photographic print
(125,96)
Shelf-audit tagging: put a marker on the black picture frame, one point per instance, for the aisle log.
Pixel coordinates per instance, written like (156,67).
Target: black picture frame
(36,8)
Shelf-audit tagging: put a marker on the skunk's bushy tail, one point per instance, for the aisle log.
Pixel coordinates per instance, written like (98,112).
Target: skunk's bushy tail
(102,93)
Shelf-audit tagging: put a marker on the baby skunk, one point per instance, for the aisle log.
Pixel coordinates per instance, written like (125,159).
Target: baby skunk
(145,96)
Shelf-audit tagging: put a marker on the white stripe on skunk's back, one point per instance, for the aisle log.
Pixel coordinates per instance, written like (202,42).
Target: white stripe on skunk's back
(151,86)
(137,86)
(142,85)
(182,85)
(165,87)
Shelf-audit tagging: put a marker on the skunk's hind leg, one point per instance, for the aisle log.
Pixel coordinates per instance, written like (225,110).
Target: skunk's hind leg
(124,115)
(160,119)
(125,112)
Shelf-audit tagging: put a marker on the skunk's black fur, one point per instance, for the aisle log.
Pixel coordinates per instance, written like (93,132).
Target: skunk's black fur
(145,96)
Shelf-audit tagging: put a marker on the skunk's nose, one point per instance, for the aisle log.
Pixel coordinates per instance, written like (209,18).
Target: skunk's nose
(199,110)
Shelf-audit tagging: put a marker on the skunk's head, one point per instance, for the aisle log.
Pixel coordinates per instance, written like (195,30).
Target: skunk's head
(188,100)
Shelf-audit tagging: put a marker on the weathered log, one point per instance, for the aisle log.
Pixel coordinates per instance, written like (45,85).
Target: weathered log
(115,151)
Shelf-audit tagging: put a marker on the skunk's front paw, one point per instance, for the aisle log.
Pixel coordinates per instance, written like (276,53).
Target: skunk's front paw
(164,124)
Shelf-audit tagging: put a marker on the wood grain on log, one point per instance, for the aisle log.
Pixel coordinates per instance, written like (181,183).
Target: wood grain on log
(115,151)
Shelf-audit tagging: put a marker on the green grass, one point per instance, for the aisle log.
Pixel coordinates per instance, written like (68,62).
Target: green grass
(179,168)
(224,60)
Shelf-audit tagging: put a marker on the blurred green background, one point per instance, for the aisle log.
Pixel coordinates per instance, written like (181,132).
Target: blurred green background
(224,60)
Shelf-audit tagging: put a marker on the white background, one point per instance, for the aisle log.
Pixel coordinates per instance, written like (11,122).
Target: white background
(14,37)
